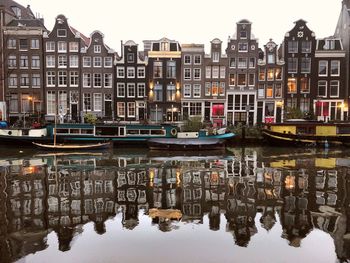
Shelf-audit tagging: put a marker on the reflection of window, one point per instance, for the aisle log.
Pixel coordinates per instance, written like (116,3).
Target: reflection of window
(157,69)
(207,88)
(208,72)
(216,56)
(269,109)
(196,90)
(241,79)
(304,85)
(222,72)
(322,88)
(304,104)
(269,92)
(322,68)
(292,85)
(222,89)
(243,34)
(215,72)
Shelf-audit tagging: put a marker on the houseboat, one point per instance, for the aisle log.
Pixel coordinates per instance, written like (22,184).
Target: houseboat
(301,133)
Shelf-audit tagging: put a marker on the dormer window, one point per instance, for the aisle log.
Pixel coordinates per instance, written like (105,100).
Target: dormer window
(329,44)
(17,11)
(61,32)
(97,48)
(164,46)
(243,34)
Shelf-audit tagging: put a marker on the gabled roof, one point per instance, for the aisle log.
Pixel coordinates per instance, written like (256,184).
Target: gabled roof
(83,37)
(26,12)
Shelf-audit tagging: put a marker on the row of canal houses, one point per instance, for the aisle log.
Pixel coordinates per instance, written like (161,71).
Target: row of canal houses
(61,71)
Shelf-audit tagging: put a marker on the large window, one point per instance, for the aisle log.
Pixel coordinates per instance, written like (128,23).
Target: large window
(108,80)
(215,88)
(86,80)
(86,62)
(335,68)
(141,90)
(271,59)
(251,62)
(215,72)
(306,46)
(120,72)
(269,91)
(292,65)
(170,92)
(305,85)
(35,62)
(34,44)
(242,47)
(292,85)
(51,103)
(171,69)
(120,90)
(208,72)
(334,89)
(73,79)
(62,61)
(12,82)
(108,62)
(270,74)
(36,81)
(73,46)
(278,90)
(50,46)
(232,62)
(50,61)
(131,90)
(62,78)
(242,62)
(196,90)
(97,62)
(87,101)
(141,72)
(305,65)
(50,79)
(73,61)
(11,43)
(131,109)
(23,44)
(251,79)
(121,109)
(197,59)
(197,74)
(130,72)
(97,102)
(187,74)
(97,80)
(62,47)
(278,73)
(12,61)
(322,68)
(187,59)
(23,62)
(187,90)
(292,46)
(157,69)
(158,92)
(261,91)
(322,88)
(242,79)
(262,74)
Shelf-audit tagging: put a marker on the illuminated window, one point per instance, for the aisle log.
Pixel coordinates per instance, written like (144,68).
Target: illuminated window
(292,85)
(269,92)
(270,74)
(305,85)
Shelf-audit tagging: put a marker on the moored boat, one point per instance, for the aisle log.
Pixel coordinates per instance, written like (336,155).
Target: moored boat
(95,146)
(300,133)
(23,136)
(192,141)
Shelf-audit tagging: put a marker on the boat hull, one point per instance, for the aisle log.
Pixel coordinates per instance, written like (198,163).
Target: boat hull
(175,144)
(73,147)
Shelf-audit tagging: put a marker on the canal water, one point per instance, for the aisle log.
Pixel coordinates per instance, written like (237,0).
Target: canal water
(132,205)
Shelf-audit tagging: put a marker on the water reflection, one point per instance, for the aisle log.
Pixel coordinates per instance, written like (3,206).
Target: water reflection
(300,190)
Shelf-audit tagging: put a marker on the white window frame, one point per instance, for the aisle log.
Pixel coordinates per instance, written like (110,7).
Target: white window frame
(130,87)
(120,72)
(97,102)
(187,90)
(197,91)
(141,72)
(141,86)
(86,62)
(121,87)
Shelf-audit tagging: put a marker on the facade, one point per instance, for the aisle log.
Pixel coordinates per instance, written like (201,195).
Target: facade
(193,93)
(331,95)
(62,70)
(97,77)
(164,71)
(131,84)
(298,50)
(215,84)
(242,52)
(270,85)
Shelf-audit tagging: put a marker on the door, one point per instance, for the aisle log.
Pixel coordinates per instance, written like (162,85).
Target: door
(108,109)
(75,112)
(141,114)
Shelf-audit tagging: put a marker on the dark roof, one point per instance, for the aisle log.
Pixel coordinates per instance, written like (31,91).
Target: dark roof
(83,37)
(27,23)
(322,45)
(26,12)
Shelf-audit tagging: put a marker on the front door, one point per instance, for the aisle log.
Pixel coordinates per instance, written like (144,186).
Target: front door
(141,114)
(75,112)
(108,109)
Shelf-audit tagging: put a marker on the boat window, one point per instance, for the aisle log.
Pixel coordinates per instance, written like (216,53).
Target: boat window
(87,131)
(305,130)
(121,131)
(133,132)
(144,132)
(344,130)
(157,132)
(62,131)
(104,131)
(74,131)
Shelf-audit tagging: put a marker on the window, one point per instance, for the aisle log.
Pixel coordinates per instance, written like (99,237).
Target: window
(73,79)
(12,61)
(243,34)
(270,74)
(86,62)
(330,44)
(34,43)
(278,73)
(73,46)
(304,104)
(12,81)
(208,72)
(50,46)
(50,61)
(131,90)
(222,89)
(323,68)
(130,72)
(242,62)
(187,74)
(251,79)
(120,90)
(87,101)
(322,88)
(232,62)
(215,72)
(23,44)
(187,59)
(108,80)
(216,56)
(195,109)
(278,90)
(50,79)
(292,65)
(51,103)
(171,69)
(232,79)
(62,46)
(97,102)
(292,85)
(97,80)
(120,72)
(306,46)
(197,74)
(86,80)
(62,61)
(269,91)
(335,68)
(292,46)
(261,91)
(242,47)
(261,74)
(131,109)
(11,43)
(130,58)
(305,85)
(158,92)
(207,88)
(97,62)
(141,72)
(121,109)
(197,59)
(35,62)
(61,32)
(222,72)
(157,69)
(305,65)
(241,79)
(251,62)
(17,11)
(62,78)
(97,48)
(271,59)
(196,90)
(334,89)
(108,62)
(73,61)
(215,88)
(23,62)
(24,80)
(187,90)
(170,92)
(141,90)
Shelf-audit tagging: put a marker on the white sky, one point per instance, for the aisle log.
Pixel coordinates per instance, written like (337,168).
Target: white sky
(188,21)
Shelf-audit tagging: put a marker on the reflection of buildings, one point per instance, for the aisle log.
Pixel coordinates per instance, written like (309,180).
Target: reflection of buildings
(62,194)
